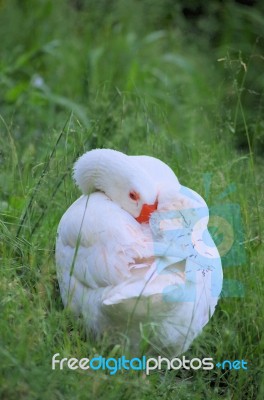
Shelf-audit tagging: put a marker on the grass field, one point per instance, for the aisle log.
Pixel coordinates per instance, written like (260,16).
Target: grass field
(144,78)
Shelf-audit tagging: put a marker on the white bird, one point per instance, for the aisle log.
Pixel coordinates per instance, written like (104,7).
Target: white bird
(134,256)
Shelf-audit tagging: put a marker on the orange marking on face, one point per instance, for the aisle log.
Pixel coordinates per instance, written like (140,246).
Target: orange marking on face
(146,211)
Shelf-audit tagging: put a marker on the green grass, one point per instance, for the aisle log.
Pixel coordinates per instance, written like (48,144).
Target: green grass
(140,78)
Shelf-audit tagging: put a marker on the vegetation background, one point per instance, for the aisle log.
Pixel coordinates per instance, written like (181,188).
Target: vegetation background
(179,80)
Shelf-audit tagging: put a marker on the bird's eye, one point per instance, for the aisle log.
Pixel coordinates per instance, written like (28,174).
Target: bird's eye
(134,196)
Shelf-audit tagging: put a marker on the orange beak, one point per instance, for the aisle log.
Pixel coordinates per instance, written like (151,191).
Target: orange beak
(146,212)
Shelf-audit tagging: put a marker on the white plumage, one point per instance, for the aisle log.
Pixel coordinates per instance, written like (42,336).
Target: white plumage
(133,253)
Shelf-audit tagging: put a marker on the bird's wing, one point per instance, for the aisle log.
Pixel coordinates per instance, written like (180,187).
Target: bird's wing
(99,243)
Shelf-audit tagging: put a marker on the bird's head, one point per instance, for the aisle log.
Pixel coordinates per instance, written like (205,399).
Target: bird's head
(120,178)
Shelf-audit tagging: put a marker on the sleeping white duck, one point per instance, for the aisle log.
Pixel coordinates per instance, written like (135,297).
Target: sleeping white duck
(134,256)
